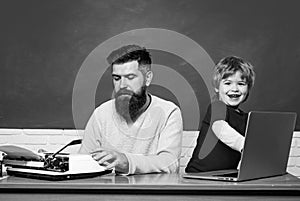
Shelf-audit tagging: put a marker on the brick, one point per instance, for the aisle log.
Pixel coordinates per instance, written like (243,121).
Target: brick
(27,139)
(4,139)
(34,147)
(43,131)
(184,161)
(296,134)
(9,131)
(292,152)
(28,147)
(298,162)
(189,142)
(292,161)
(294,171)
(295,142)
(72,149)
(187,152)
(62,140)
(51,148)
(191,133)
(189,138)
(78,133)
(182,169)
(295,151)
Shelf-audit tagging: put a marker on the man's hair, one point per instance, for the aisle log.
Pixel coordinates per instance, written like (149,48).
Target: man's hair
(229,66)
(131,53)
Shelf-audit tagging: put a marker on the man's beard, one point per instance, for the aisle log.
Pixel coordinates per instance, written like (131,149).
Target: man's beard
(128,104)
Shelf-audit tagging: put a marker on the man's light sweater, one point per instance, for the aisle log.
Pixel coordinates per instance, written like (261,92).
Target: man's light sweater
(151,144)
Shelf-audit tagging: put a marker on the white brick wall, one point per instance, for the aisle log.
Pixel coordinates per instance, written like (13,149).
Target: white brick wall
(294,159)
(53,139)
(35,139)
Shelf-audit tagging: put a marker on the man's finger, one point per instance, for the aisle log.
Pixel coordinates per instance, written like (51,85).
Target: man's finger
(97,156)
(98,150)
(111,165)
(106,158)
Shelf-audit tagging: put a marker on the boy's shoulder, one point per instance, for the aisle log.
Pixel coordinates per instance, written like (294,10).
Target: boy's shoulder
(217,106)
(216,110)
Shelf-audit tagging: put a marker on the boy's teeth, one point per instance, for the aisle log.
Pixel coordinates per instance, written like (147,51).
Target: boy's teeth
(233,95)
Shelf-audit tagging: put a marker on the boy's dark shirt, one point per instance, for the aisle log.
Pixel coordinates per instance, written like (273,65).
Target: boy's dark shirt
(221,156)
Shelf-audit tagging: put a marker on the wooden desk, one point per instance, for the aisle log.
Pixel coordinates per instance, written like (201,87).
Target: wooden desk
(149,187)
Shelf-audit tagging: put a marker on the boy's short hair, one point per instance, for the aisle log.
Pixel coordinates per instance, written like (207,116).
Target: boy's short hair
(229,66)
(131,53)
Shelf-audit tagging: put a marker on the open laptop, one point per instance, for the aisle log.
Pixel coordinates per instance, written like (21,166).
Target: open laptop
(266,150)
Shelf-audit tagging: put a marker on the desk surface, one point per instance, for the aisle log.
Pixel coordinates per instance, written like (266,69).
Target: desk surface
(149,184)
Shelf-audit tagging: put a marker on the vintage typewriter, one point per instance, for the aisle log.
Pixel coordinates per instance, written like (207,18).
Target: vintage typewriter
(50,166)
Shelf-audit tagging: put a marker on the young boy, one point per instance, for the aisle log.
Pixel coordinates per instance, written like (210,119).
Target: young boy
(233,78)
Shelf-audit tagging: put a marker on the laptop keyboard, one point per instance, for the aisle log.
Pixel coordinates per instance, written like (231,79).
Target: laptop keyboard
(232,174)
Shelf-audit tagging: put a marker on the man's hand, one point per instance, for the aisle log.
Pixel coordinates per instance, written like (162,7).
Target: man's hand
(111,159)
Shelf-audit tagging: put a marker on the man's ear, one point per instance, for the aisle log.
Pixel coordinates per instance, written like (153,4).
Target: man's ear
(216,90)
(148,78)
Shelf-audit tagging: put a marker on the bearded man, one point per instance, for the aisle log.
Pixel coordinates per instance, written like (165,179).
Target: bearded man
(135,132)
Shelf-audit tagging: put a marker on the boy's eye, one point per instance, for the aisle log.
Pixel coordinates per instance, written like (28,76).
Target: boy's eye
(242,83)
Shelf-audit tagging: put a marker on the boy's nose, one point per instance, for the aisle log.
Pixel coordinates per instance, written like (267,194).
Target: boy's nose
(234,87)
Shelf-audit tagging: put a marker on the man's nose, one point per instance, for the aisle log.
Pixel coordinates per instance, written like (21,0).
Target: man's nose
(123,83)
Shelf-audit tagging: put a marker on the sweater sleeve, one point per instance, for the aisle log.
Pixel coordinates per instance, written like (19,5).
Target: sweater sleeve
(91,139)
(168,151)
(228,135)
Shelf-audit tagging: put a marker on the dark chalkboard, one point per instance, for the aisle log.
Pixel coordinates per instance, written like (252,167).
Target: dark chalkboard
(44,44)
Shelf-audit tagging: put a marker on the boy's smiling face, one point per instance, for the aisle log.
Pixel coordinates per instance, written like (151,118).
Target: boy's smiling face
(233,90)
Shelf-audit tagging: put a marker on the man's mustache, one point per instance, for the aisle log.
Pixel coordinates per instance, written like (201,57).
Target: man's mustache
(124,92)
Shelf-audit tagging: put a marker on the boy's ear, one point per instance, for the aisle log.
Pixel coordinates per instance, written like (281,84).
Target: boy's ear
(148,77)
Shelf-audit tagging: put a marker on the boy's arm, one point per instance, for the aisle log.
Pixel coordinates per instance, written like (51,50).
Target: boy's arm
(228,135)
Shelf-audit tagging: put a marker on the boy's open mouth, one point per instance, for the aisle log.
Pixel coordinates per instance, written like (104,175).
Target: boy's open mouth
(234,95)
